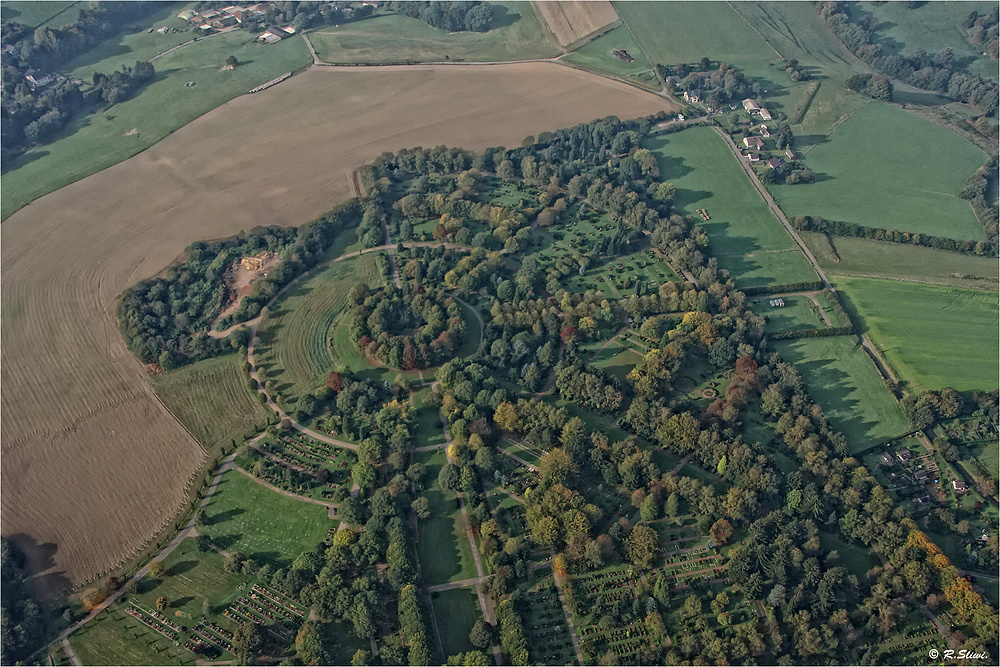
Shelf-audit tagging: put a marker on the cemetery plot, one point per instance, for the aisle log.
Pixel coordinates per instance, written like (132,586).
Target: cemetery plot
(523,450)
(910,643)
(598,634)
(640,273)
(681,566)
(301,465)
(509,514)
(549,641)
(514,476)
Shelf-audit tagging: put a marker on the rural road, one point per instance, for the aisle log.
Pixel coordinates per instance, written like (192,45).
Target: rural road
(187,531)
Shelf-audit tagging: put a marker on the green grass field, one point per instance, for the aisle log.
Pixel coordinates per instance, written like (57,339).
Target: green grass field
(212,400)
(456,610)
(115,638)
(707,176)
(798,313)
(887,168)
(443,548)
(875,259)
(617,361)
(263,524)
(596,54)
(394,38)
(36,14)
(92,142)
(293,342)
(932,26)
(932,336)
(844,382)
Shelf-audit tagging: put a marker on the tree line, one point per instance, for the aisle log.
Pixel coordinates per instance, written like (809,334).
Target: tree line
(468,15)
(815,223)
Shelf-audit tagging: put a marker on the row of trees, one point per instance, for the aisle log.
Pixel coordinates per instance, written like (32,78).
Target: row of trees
(942,72)
(456,16)
(815,223)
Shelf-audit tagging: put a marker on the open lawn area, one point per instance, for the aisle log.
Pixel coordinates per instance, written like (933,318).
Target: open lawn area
(872,170)
(393,38)
(799,312)
(617,361)
(294,343)
(212,400)
(741,227)
(843,381)
(596,54)
(92,142)
(846,256)
(456,610)
(115,638)
(262,524)
(932,336)
(443,548)
(857,559)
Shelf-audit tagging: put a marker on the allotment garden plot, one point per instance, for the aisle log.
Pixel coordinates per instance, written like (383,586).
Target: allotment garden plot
(744,234)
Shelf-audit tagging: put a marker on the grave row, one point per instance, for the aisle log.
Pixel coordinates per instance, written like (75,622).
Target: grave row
(159,626)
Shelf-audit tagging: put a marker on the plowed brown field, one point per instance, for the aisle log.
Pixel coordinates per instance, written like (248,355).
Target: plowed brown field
(93,464)
(569,20)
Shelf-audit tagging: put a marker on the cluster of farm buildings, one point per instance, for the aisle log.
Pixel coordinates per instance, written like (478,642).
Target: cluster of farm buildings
(235,15)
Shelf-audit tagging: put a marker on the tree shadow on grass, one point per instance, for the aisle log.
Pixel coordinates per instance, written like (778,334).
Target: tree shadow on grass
(272,558)
(503,17)
(225,541)
(180,602)
(223,517)
(183,567)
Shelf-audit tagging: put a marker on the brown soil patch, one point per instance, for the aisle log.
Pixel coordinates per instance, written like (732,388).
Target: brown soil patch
(240,277)
(93,463)
(569,20)
(131,132)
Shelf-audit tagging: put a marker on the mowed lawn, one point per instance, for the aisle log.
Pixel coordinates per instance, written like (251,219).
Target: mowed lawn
(596,54)
(797,313)
(393,38)
(115,638)
(876,259)
(293,342)
(264,525)
(933,336)
(456,611)
(212,400)
(842,379)
(885,167)
(95,141)
(442,546)
(744,233)
(34,14)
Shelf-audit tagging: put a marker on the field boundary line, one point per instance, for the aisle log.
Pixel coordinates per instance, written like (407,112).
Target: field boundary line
(833,128)
(754,28)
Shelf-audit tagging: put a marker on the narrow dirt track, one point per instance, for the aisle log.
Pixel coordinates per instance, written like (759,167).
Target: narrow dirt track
(78,409)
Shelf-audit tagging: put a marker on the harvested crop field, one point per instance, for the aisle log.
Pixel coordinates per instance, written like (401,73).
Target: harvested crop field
(82,426)
(570,20)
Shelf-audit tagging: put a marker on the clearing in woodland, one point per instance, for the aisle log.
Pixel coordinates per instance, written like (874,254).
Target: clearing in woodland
(843,381)
(570,20)
(76,402)
(745,236)
(212,400)
(394,38)
(932,336)
(873,171)
(293,345)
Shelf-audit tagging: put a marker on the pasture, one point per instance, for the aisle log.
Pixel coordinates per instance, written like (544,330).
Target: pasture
(394,38)
(932,26)
(596,54)
(293,342)
(932,336)
(871,171)
(570,20)
(442,545)
(36,14)
(212,400)
(843,381)
(875,259)
(456,611)
(75,401)
(92,142)
(742,230)
(262,524)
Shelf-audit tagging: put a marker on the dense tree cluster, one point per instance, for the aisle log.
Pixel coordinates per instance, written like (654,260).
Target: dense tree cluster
(941,72)
(984,31)
(719,87)
(408,329)
(23,624)
(120,84)
(976,190)
(453,16)
(815,223)
(875,86)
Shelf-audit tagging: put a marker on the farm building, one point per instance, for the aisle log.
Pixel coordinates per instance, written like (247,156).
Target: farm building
(272,35)
(187,15)
(775,162)
(753,142)
(764,132)
(224,22)
(765,114)
(777,303)
(790,155)
(693,95)
(750,106)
